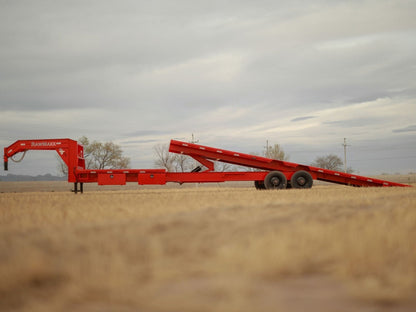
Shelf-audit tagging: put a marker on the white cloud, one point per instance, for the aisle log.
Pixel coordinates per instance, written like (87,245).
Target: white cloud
(234,73)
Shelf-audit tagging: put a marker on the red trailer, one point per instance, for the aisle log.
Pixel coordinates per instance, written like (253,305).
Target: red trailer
(268,174)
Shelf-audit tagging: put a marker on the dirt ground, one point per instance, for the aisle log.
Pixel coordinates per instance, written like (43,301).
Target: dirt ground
(217,248)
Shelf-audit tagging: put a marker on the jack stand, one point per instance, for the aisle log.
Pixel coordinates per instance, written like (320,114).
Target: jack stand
(81,187)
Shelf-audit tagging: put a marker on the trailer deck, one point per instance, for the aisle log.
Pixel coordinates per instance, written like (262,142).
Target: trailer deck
(266,173)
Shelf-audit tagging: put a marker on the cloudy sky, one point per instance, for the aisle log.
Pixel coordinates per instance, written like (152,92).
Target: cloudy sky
(304,74)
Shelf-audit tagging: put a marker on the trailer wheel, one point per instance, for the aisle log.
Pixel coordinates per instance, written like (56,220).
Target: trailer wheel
(259,185)
(301,179)
(275,180)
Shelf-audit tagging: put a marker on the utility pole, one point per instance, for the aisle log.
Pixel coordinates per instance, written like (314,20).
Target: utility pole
(193,141)
(345,154)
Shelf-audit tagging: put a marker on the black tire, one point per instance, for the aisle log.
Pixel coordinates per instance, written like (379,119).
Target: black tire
(275,180)
(301,179)
(259,185)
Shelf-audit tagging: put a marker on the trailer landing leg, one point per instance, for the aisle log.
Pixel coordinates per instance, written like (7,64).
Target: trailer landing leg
(81,187)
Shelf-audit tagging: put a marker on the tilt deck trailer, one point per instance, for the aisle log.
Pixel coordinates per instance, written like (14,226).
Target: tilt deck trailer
(269,174)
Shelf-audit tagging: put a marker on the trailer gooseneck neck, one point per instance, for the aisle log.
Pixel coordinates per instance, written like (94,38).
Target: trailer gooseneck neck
(269,174)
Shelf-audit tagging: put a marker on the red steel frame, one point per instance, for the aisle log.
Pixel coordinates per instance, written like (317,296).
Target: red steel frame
(72,153)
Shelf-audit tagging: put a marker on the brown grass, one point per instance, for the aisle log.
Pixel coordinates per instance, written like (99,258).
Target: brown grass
(209,249)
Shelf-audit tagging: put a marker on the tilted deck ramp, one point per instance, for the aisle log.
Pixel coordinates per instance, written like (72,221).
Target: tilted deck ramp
(206,154)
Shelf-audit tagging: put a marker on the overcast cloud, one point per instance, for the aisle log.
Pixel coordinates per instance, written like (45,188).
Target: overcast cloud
(304,74)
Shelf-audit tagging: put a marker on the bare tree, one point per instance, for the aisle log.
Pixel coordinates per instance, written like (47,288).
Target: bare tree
(223,167)
(105,155)
(164,159)
(331,162)
(276,152)
(182,163)
(100,155)
(61,167)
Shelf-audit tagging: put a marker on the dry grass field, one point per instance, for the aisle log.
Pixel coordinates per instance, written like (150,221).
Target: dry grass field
(329,248)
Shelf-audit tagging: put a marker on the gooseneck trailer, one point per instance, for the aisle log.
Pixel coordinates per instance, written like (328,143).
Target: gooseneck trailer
(265,172)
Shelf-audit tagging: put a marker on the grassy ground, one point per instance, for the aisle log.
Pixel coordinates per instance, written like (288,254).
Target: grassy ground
(330,248)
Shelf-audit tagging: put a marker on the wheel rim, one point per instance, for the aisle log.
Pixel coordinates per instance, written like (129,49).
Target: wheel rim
(275,181)
(301,181)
